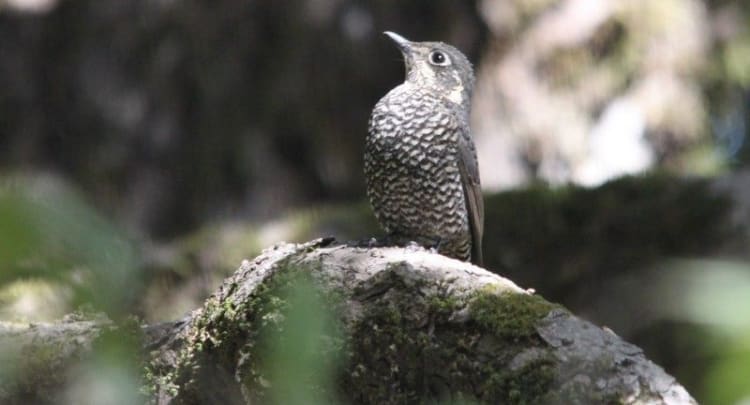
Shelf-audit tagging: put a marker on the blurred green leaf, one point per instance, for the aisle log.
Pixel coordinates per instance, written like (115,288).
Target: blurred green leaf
(104,381)
(17,237)
(112,374)
(716,295)
(737,60)
(47,231)
(301,356)
(728,380)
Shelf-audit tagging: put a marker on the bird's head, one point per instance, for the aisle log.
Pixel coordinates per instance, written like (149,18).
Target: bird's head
(438,66)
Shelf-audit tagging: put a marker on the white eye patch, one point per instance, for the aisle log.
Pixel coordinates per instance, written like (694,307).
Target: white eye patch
(439,58)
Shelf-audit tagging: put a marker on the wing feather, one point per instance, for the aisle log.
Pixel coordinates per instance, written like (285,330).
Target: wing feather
(469,169)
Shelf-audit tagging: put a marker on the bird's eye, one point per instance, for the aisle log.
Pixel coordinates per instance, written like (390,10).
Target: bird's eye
(439,58)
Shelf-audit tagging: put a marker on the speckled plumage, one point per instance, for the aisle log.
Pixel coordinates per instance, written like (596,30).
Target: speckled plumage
(420,162)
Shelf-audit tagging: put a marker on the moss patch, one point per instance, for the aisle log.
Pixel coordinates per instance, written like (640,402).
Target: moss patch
(412,349)
(522,386)
(509,315)
(232,337)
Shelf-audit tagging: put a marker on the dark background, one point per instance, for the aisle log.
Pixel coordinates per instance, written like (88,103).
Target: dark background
(156,143)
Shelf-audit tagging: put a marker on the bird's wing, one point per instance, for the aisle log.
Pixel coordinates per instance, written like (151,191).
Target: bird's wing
(469,169)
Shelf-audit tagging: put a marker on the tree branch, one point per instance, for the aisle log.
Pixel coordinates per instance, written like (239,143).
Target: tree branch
(417,326)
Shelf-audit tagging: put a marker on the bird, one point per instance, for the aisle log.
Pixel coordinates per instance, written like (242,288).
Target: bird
(420,162)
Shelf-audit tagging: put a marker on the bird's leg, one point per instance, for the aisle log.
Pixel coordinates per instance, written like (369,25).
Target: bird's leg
(394,239)
(430,243)
(389,240)
(435,246)
(409,242)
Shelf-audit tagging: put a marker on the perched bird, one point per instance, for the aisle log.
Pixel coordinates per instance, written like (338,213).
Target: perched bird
(420,161)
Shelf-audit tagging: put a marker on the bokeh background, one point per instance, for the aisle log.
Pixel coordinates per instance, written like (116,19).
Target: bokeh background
(148,146)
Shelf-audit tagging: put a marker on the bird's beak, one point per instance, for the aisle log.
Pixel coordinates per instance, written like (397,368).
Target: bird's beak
(406,48)
(403,44)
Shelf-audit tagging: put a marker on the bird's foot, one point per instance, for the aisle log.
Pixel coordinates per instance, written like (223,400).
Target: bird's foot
(435,247)
(413,246)
(384,241)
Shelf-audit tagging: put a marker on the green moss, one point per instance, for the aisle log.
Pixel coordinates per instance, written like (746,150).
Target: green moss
(444,304)
(220,331)
(238,335)
(513,317)
(509,315)
(522,386)
(417,350)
